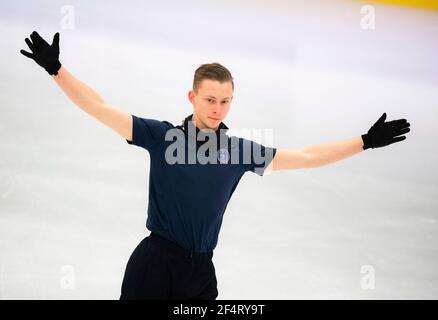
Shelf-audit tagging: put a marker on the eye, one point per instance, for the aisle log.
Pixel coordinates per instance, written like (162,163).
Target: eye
(210,100)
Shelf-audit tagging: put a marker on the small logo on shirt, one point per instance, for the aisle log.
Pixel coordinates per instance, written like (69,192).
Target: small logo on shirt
(223,155)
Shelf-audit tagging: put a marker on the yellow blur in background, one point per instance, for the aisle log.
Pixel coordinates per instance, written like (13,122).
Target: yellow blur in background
(423,4)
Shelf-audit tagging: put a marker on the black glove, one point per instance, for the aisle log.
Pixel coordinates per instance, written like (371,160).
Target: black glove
(385,133)
(47,56)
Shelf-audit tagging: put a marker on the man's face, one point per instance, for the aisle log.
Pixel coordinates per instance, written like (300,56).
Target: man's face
(211,104)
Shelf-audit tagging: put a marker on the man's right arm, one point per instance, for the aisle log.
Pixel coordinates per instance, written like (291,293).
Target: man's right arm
(89,101)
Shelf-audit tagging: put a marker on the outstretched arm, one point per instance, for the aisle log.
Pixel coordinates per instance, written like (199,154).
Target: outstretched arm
(89,101)
(315,156)
(380,134)
(322,154)
(47,56)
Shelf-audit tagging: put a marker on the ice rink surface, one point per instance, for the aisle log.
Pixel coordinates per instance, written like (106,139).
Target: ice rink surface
(73,194)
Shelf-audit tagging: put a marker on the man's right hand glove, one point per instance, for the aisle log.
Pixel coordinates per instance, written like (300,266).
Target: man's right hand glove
(385,133)
(47,56)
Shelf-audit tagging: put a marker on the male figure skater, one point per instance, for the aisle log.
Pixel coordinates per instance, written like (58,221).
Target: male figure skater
(188,193)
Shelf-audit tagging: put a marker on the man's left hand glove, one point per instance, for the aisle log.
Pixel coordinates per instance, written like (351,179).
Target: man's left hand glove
(385,133)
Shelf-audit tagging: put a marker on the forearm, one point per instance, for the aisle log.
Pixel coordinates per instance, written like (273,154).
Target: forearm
(326,153)
(78,92)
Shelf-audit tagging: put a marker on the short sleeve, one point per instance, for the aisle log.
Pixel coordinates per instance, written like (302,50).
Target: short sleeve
(256,157)
(146,133)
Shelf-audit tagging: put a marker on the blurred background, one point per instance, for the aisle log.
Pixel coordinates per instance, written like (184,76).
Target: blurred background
(73,194)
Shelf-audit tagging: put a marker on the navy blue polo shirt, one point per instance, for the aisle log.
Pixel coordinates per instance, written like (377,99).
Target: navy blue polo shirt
(188,194)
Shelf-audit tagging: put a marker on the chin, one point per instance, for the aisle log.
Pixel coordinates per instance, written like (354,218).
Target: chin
(213,120)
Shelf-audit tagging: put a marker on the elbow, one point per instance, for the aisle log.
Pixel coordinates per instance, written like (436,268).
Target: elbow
(310,160)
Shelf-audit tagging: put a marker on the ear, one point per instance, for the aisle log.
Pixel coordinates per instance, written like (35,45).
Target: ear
(191,96)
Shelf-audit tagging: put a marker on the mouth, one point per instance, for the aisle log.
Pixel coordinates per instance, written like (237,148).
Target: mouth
(214,118)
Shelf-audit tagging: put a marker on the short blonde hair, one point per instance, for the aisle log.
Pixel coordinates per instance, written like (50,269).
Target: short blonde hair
(211,71)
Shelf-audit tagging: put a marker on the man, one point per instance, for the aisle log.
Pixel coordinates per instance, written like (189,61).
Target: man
(195,168)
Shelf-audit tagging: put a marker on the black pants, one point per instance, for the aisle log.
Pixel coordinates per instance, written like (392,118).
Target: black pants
(159,269)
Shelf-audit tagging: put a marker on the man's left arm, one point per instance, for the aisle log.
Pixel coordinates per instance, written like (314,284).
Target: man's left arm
(322,154)
(380,134)
(314,156)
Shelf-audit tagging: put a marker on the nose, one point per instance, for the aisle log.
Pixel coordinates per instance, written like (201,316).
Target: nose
(216,108)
